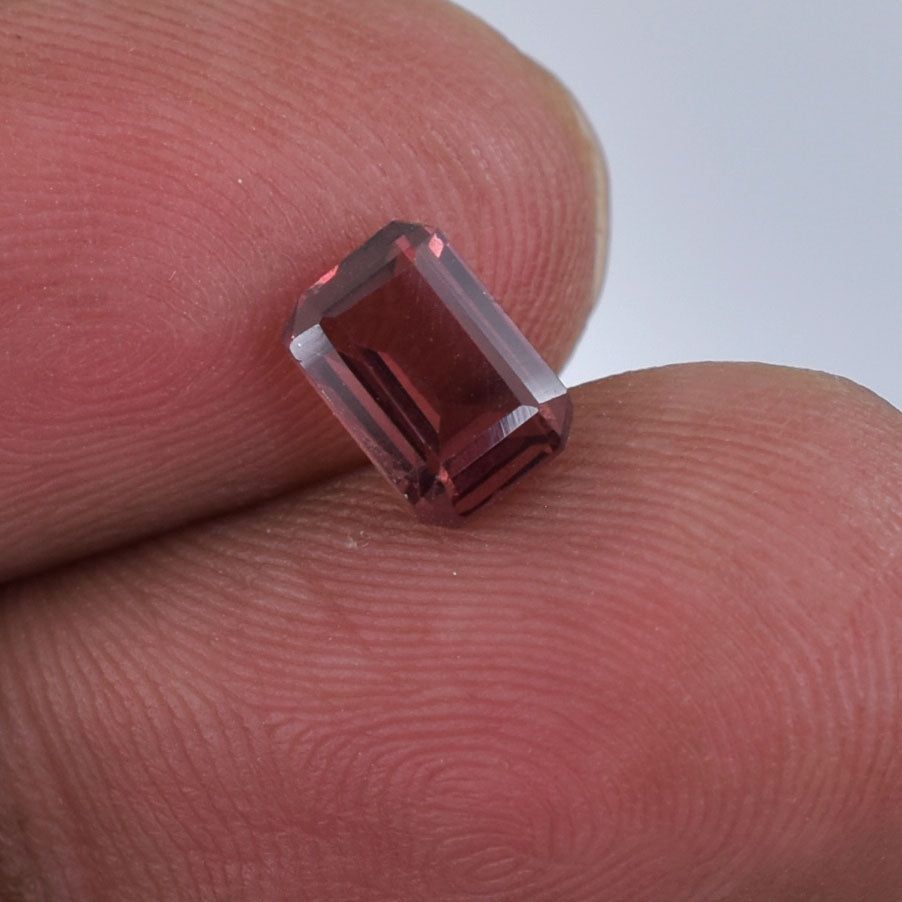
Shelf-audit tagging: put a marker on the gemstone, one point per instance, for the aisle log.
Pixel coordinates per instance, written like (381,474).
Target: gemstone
(428,373)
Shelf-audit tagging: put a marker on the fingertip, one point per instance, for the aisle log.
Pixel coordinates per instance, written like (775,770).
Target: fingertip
(180,176)
(663,667)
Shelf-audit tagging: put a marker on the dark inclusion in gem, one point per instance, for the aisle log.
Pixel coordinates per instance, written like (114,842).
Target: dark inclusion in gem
(427,372)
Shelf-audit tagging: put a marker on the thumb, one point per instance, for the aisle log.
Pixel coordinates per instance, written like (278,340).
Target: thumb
(667,669)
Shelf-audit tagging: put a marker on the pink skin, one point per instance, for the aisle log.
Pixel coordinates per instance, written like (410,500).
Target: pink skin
(666,667)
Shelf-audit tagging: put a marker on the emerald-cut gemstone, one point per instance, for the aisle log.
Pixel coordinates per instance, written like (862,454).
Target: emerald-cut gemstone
(427,372)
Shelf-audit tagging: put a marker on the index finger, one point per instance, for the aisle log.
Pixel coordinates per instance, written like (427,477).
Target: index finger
(179,176)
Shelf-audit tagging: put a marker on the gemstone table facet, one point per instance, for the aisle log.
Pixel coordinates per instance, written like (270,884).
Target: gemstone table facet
(427,373)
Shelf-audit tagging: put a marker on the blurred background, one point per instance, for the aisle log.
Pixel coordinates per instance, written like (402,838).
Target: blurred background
(755,152)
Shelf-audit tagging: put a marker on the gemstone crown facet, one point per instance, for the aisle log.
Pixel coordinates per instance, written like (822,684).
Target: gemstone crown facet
(428,374)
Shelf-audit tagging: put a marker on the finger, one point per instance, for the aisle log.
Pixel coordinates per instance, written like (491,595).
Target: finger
(175,175)
(667,669)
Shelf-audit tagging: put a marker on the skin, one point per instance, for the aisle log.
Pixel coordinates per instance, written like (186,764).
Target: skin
(232,666)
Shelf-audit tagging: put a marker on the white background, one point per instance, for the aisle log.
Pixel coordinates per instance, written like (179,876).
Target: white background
(755,151)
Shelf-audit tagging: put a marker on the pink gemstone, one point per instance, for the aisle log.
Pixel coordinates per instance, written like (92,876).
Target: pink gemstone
(428,373)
